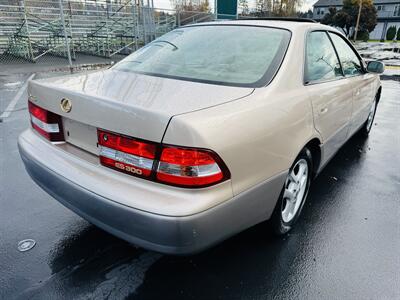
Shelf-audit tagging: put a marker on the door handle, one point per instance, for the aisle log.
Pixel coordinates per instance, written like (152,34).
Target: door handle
(323,110)
(358,92)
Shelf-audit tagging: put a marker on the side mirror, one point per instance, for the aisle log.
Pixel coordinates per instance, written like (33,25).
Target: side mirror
(375,67)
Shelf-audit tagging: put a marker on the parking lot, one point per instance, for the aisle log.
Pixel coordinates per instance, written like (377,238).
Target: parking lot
(346,244)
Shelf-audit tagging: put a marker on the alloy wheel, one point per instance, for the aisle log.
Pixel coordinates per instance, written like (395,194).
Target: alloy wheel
(295,189)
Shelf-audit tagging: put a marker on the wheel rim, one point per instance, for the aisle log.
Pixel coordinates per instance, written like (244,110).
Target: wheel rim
(371,116)
(295,189)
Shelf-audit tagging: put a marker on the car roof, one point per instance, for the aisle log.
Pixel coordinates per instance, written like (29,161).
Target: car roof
(290,24)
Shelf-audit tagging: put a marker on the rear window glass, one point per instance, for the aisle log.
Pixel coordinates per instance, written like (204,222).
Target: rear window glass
(229,55)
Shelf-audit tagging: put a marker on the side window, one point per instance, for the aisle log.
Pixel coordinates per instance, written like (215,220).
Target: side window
(322,63)
(350,62)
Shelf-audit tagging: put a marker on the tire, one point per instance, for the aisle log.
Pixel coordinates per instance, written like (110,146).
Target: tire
(287,211)
(366,128)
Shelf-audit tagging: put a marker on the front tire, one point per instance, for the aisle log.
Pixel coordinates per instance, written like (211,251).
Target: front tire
(294,193)
(366,128)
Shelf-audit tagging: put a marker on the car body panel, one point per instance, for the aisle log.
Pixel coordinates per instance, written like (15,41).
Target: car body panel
(364,92)
(332,107)
(226,129)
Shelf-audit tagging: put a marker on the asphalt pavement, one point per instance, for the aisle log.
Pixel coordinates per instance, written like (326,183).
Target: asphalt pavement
(346,244)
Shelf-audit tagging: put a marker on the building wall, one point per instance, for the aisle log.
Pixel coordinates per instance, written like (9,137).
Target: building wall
(377,33)
(388,10)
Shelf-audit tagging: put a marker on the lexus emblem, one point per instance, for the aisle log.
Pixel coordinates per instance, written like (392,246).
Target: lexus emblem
(66,105)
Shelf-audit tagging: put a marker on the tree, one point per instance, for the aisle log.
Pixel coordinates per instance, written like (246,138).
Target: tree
(278,8)
(261,8)
(346,18)
(343,20)
(398,34)
(204,6)
(368,16)
(328,18)
(303,14)
(391,33)
(285,8)
(244,7)
(191,5)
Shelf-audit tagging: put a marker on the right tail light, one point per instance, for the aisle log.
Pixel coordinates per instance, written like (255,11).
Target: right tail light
(189,167)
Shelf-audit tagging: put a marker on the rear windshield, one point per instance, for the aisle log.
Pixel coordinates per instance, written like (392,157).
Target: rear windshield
(245,56)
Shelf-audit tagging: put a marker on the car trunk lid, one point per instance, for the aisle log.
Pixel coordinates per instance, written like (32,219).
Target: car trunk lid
(132,104)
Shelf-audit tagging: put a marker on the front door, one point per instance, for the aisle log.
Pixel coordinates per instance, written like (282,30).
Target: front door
(362,82)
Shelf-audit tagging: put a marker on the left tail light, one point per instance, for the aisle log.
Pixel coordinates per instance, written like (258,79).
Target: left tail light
(178,166)
(126,154)
(46,123)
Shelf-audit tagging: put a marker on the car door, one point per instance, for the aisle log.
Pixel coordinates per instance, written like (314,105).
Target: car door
(362,81)
(329,91)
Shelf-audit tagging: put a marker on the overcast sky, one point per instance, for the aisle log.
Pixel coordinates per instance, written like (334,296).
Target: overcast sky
(307,4)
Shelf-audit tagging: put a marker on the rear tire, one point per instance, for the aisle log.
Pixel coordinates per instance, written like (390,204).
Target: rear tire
(366,128)
(294,193)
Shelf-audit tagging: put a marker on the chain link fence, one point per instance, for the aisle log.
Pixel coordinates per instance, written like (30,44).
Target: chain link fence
(71,33)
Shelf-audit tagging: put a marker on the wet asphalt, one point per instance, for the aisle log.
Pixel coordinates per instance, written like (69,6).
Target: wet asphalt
(346,244)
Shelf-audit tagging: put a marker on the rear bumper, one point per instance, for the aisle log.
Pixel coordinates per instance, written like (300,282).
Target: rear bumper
(166,234)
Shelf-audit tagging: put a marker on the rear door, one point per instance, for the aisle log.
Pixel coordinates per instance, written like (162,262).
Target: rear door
(330,92)
(362,81)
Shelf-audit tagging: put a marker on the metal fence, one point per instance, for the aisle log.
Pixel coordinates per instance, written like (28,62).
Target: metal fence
(74,32)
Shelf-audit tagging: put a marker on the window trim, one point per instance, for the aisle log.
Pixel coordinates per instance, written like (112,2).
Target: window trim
(327,32)
(306,83)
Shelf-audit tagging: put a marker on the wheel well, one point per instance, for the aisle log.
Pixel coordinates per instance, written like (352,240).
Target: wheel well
(314,147)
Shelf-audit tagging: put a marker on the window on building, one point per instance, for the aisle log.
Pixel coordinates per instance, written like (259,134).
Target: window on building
(396,12)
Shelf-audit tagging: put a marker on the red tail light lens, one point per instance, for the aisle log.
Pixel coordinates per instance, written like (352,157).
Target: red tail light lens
(190,167)
(126,154)
(46,123)
(178,166)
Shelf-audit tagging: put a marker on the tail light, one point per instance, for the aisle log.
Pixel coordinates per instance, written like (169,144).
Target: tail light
(46,123)
(178,166)
(126,154)
(189,167)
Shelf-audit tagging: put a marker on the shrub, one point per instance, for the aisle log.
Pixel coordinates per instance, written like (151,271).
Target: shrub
(398,34)
(391,33)
(363,36)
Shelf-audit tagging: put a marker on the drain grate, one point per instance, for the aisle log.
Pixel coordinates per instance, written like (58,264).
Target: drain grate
(26,245)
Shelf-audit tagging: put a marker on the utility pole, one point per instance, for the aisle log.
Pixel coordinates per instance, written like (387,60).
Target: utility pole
(358,22)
